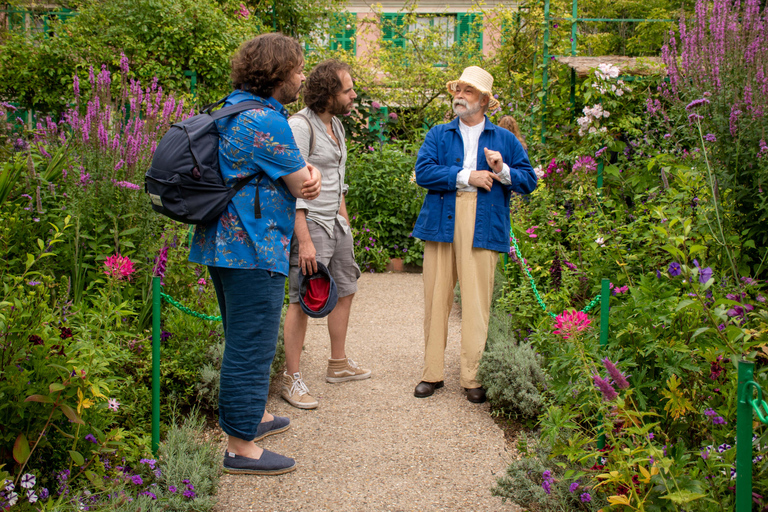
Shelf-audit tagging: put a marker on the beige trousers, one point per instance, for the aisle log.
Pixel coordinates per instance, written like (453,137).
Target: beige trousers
(444,263)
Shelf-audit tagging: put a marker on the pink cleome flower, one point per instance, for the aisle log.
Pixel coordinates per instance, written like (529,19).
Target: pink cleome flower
(119,266)
(569,323)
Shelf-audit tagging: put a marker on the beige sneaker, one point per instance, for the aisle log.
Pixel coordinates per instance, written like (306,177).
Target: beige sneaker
(296,393)
(342,370)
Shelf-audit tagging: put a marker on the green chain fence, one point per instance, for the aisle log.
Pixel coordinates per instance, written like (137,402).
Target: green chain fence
(536,291)
(157,297)
(604,307)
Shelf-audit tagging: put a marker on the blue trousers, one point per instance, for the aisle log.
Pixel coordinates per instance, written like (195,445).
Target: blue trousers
(251,301)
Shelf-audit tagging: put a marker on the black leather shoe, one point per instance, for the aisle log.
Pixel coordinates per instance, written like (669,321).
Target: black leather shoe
(425,389)
(475,395)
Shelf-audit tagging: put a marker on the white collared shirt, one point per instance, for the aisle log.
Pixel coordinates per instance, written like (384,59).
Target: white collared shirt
(470,135)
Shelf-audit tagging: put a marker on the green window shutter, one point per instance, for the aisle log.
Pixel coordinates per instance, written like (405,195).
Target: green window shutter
(345,39)
(469,29)
(392,27)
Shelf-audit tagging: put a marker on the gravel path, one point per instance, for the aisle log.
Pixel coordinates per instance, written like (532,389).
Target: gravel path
(372,446)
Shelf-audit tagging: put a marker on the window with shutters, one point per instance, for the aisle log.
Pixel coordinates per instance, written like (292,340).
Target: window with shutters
(393,29)
(441,28)
(338,33)
(469,29)
(343,32)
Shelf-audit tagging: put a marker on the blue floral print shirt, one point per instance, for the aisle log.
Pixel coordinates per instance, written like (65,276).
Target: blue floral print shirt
(255,141)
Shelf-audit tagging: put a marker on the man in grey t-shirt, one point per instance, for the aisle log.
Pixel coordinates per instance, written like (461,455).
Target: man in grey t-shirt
(322,231)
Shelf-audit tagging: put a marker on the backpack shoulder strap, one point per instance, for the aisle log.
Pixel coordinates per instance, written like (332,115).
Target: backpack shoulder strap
(236,109)
(311,132)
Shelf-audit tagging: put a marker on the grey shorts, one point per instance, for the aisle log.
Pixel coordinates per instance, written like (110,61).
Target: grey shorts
(335,253)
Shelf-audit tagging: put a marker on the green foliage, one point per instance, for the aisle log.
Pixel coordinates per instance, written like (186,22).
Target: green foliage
(161,38)
(384,198)
(525,476)
(510,371)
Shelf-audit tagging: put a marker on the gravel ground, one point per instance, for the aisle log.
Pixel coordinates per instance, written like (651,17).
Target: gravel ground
(370,445)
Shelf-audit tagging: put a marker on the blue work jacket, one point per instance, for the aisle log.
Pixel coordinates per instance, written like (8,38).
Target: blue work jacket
(441,158)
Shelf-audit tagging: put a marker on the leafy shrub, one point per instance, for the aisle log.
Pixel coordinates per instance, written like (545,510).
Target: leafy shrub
(162,40)
(384,197)
(538,483)
(510,372)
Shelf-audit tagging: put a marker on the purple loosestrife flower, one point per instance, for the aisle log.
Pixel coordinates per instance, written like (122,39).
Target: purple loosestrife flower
(696,103)
(674,269)
(616,375)
(123,64)
(609,394)
(692,118)
(76,86)
(710,137)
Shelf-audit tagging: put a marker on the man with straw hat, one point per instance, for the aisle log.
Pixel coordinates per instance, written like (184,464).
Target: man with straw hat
(469,168)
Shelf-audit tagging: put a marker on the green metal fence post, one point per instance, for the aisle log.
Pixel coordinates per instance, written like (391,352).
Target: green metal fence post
(545,73)
(600,166)
(574,30)
(744,439)
(605,294)
(155,364)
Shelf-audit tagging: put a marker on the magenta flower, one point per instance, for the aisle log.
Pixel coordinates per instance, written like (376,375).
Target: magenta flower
(244,13)
(569,323)
(119,267)
(375,105)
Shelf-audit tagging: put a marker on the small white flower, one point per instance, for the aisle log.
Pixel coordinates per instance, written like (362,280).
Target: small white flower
(9,485)
(12,499)
(603,129)
(593,130)
(606,113)
(619,92)
(31,496)
(600,241)
(28,481)
(539,172)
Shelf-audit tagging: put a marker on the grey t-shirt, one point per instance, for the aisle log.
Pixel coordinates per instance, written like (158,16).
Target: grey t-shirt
(330,160)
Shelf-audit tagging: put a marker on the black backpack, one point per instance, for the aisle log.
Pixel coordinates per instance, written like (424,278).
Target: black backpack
(184,181)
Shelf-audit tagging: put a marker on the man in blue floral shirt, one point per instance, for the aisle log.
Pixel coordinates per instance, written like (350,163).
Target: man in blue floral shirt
(246,253)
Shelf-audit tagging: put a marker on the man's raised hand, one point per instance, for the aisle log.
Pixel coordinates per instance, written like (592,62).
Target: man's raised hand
(494,160)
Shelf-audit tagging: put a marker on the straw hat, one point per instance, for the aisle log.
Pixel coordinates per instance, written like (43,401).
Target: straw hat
(478,78)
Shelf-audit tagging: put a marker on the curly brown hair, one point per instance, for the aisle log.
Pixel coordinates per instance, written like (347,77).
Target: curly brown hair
(264,62)
(324,84)
(510,124)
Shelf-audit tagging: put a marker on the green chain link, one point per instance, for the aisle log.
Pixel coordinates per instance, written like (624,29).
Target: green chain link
(533,283)
(756,402)
(188,311)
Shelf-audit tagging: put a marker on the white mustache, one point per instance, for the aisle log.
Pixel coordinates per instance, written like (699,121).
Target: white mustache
(461,102)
